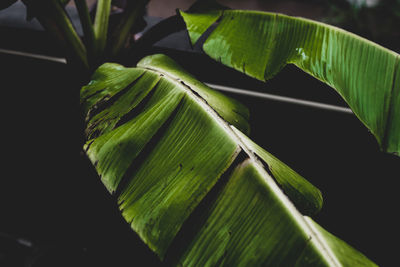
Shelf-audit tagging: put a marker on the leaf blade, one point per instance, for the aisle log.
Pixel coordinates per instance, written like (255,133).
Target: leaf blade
(192,148)
(231,110)
(260,44)
(185,164)
(308,198)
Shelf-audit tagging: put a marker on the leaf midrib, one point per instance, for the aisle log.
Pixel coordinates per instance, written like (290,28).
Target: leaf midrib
(389,117)
(268,179)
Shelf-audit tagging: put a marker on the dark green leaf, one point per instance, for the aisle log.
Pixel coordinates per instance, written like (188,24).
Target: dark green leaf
(260,44)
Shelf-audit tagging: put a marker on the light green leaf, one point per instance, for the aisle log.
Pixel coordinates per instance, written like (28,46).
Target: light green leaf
(230,109)
(344,254)
(198,24)
(166,152)
(251,224)
(300,190)
(260,44)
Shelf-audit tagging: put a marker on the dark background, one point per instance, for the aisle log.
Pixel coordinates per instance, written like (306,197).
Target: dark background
(54,211)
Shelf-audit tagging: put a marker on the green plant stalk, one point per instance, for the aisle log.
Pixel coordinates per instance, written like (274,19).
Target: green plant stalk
(131,14)
(87,26)
(67,29)
(101,26)
(65,25)
(53,17)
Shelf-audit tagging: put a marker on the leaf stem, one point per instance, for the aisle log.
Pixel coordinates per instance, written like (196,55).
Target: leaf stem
(64,23)
(129,18)
(87,26)
(101,26)
(53,17)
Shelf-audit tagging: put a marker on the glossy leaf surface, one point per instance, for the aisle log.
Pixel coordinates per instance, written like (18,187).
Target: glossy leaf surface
(260,44)
(169,148)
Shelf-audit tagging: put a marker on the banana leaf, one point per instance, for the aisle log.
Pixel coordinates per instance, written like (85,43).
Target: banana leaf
(189,181)
(260,44)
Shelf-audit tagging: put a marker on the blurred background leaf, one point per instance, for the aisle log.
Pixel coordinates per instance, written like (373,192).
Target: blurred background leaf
(6,3)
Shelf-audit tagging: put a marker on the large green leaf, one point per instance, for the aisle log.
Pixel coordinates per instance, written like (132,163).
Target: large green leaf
(170,149)
(260,44)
